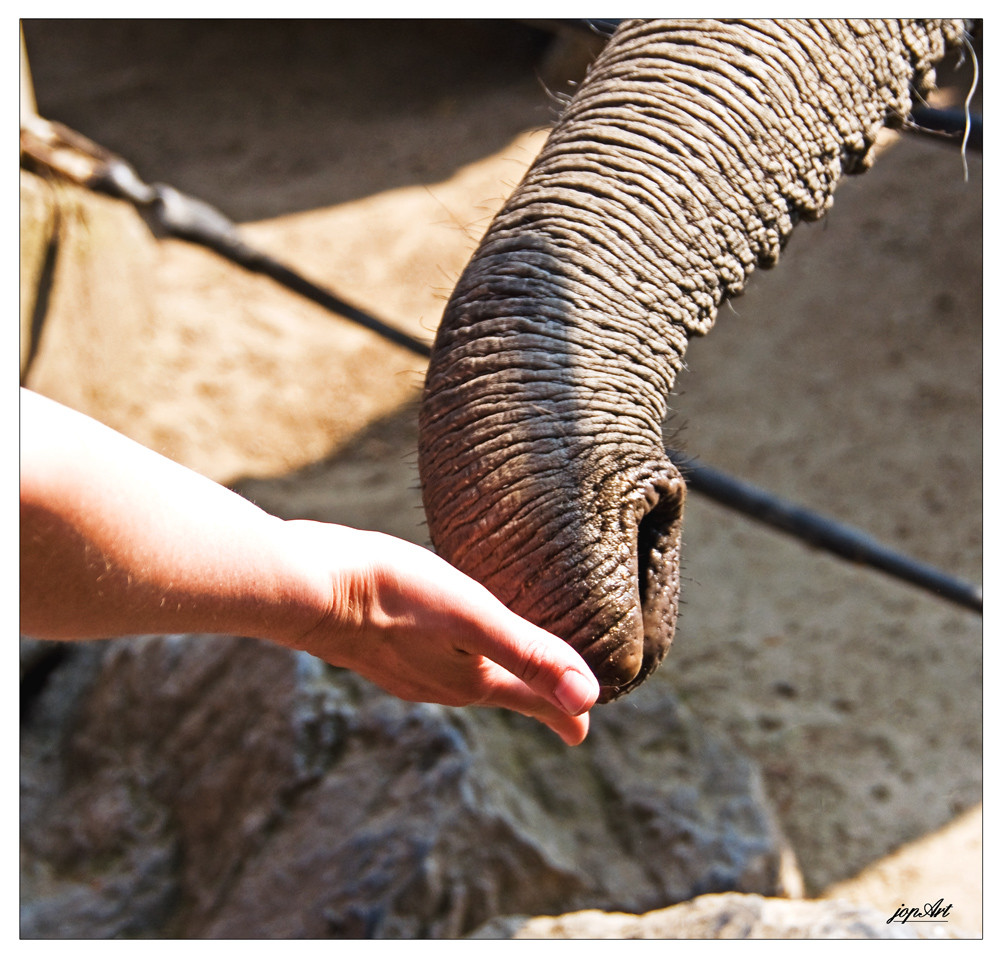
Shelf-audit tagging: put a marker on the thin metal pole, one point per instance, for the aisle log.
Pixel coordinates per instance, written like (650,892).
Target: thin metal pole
(821,532)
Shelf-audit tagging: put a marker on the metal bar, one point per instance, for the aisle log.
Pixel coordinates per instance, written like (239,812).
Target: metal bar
(949,125)
(822,532)
(71,154)
(196,221)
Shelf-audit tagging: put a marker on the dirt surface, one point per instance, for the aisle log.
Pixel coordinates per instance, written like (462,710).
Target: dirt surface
(371,155)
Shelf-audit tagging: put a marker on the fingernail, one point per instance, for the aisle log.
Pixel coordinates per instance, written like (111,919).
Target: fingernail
(574,692)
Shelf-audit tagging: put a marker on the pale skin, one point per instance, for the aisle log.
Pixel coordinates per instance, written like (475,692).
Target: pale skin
(118,540)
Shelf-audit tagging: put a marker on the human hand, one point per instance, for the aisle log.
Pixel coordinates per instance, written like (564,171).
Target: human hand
(116,540)
(404,618)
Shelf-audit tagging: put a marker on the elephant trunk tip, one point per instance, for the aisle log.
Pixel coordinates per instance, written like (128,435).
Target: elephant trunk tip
(618,671)
(624,655)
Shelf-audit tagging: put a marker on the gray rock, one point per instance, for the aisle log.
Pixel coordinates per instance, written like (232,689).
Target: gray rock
(719,916)
(192,786)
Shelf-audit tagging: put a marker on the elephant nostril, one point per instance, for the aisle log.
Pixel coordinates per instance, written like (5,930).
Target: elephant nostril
(629,650)
(657,549)
(657,544)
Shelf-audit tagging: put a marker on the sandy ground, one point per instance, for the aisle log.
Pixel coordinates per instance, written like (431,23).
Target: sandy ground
(371,156)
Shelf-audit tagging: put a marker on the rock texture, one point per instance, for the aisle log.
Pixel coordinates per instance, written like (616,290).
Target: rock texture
(720,916)
(192,786)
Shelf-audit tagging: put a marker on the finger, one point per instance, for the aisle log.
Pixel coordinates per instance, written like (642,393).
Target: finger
(487,628)
(502,689)
(548,665)
(574,733)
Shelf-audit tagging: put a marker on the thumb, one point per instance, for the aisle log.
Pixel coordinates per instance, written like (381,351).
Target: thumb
(546,663)
(542,661)
(575,691)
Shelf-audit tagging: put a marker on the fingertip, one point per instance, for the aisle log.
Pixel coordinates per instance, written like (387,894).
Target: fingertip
(576,734)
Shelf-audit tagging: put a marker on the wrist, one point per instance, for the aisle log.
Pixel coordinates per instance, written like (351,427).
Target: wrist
(324,609)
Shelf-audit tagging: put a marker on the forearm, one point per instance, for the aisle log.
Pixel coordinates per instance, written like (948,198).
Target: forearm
(116,539)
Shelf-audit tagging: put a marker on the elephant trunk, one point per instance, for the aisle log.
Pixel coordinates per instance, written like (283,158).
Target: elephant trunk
(687,156)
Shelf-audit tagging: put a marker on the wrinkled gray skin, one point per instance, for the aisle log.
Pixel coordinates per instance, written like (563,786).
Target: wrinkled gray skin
(688,154)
